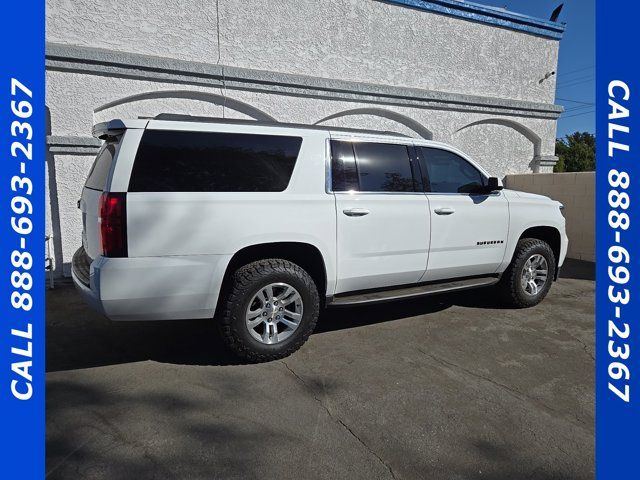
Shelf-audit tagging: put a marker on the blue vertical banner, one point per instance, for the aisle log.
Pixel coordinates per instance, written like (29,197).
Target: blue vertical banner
(22,217)
(617,240)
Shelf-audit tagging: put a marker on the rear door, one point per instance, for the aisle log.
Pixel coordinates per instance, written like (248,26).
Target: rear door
(469,231)
(382,213)
(90,199)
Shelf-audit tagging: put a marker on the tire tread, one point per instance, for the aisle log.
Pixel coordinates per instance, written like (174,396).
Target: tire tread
(240,284)
(509,283)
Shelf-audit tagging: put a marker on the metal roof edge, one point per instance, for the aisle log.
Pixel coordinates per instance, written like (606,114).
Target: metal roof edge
(488,15)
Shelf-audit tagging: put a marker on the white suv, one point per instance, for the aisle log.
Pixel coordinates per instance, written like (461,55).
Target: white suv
(261,225)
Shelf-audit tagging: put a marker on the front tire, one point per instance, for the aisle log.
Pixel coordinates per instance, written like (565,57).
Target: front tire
(528,278)
(271,309)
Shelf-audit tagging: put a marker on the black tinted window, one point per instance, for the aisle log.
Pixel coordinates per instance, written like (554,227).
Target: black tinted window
(344,175)
(448,172)
(383,167)
(175,161)
(101,166)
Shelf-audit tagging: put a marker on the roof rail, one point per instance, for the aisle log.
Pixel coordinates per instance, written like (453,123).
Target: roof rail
(176,117)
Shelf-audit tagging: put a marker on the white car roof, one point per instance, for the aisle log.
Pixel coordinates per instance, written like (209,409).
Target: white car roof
(167,121)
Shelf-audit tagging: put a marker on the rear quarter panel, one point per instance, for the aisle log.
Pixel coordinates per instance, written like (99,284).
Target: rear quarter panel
(164,224)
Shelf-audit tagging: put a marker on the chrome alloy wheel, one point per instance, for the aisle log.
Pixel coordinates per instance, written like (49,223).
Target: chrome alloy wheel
(534,274)
(274,313)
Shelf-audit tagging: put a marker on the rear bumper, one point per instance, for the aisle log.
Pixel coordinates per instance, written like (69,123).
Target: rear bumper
(80,267)
(88,295)
(153,288)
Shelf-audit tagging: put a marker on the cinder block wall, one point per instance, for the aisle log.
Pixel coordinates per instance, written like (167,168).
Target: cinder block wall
(577,192)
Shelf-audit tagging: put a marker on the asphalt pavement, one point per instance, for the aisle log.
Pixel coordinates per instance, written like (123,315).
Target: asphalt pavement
(450,387)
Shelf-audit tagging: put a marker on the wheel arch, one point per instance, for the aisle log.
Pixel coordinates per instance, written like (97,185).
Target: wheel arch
(305,255)
(548,234)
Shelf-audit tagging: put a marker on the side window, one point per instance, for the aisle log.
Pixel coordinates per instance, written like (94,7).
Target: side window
(180,161)
(384,167)
(344,175)
(448,172)
(97,178)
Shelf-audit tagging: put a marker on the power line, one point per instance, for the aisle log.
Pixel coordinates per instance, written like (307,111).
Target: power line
(577,79)
(574,101)
(584,77)
(577,107)
(573,84)
(581,107)
(562,74)
(577,114)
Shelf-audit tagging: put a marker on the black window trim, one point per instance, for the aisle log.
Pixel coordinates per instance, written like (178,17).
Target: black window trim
(416,170)
(411,153)
(427,187)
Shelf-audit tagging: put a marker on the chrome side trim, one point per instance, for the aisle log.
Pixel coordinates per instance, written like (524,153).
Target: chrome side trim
(328,179)
(496,194)
(354,192)
(492,194)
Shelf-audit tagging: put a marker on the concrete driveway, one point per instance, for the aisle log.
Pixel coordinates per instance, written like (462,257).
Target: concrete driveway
(446,388)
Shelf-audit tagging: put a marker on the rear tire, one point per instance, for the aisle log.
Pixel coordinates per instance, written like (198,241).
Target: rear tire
(528,278)
(271,309)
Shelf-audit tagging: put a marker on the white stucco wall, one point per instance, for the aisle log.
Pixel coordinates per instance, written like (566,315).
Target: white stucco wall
(369,64)
(357,40)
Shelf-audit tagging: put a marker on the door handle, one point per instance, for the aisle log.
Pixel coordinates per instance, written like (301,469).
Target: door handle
(355,212)
(444,211)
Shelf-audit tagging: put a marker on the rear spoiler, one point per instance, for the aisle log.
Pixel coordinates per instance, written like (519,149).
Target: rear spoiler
(114,128)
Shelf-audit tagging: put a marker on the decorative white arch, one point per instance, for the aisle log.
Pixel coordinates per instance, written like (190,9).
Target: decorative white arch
(538,161)
(532,136)
(212,98)
(388,114)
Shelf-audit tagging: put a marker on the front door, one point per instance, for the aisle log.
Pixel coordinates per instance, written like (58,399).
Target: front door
(469,231)
(383,216)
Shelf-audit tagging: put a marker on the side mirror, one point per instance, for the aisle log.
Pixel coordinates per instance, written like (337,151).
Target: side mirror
(493,184)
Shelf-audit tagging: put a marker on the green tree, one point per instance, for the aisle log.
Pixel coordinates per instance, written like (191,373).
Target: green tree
(576,153)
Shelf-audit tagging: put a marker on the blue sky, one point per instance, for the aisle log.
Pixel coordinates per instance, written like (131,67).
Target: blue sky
(576,66)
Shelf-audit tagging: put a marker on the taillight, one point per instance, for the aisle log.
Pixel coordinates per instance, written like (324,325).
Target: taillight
(113,224)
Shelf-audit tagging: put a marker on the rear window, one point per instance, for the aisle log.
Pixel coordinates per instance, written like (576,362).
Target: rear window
(97,178)
(177,161)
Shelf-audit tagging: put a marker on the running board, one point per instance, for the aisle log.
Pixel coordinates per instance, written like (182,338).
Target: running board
(380,296)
